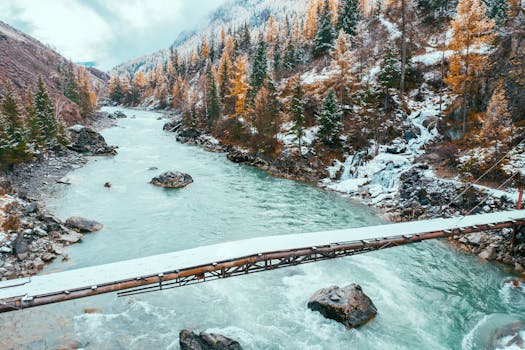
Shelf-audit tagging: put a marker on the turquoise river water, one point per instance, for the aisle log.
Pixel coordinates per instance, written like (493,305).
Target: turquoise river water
(428,295)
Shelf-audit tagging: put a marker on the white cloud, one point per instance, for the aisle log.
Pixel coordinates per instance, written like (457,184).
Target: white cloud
(107,32)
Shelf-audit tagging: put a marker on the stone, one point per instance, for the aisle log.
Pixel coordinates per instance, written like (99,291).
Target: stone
(83,225)
(6,249)
(172,179)
(487,253)
(38,264)
(172,126)
(347,305)
(474,238)
(48,257)
(119,114)
(21,247)
(86,140)
(31,208)
(57,248)
(70,237)
(40,231)
(189,340)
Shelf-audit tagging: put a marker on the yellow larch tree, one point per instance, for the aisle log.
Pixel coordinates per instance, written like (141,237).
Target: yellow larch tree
(239,84)
(205,49)
(272,32)
(498,120)
(229,46)
(342,62)
(140,80)
(471,32)
(334,10)
(310,25)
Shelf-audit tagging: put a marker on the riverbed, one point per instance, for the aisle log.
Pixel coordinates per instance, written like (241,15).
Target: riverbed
(428,296)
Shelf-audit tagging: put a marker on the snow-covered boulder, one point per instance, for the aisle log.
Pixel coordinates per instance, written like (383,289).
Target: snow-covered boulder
(172,179)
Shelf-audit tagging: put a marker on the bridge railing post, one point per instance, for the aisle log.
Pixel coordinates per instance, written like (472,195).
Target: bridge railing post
(520,198)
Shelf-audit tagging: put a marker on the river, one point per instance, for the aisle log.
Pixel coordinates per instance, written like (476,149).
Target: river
(428,295)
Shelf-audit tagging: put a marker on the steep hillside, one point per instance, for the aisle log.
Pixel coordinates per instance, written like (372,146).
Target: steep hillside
(351,94)
(23,59)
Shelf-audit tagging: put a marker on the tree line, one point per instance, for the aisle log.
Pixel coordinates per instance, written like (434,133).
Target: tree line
(29,125)
(235,84)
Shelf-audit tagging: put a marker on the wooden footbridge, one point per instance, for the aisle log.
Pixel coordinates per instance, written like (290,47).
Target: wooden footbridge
(236,258)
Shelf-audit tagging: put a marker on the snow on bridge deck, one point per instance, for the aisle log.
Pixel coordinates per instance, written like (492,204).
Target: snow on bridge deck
(22,292)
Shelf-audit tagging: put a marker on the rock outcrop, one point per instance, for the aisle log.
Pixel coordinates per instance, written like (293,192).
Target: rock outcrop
(347,305)
(172,179)
(189,340)
(86,140)
(83,225)
(117,115)
(29,238)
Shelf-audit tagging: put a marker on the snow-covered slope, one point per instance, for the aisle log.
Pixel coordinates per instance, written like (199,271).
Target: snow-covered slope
(234,13)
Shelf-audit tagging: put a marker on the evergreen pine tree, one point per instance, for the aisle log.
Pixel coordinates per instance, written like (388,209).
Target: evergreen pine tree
(116,92)
(349,16)
(224,75)
(277,57)
(297,114)
(5,146)
(259,69)
(266,117)
(390,72)
(214,104)
(32,123)
(329,121)
(290,60)
(497,10)
(70,83)
(15,132)
(326,35)
(245,44)
(45,114)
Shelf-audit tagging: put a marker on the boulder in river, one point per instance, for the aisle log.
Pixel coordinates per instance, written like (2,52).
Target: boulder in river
(86,140)
(172,179)
(118,115)
(189,340)
(83,225)
(347,305)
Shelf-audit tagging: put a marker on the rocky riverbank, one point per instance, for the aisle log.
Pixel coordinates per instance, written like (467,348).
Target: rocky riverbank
(420,195)
(30,237)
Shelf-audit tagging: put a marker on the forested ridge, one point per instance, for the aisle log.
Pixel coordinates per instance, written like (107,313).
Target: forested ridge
(332,78)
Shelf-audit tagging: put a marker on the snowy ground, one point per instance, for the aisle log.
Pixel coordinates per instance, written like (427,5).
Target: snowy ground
(379,177)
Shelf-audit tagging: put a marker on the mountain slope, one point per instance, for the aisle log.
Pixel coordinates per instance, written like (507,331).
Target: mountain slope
(23,59)
(232,14)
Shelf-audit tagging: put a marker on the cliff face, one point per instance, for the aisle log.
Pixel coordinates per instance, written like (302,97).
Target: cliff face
(23,59)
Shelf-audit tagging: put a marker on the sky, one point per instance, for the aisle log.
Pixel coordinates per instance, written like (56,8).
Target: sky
(108,32)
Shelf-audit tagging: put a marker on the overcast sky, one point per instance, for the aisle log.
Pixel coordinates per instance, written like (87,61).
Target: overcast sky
(108,32)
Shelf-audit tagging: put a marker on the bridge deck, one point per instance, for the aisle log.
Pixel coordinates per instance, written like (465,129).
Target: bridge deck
(26,290)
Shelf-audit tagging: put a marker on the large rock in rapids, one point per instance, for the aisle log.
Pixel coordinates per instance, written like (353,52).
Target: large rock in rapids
(83,225)
(86,140)
(189,340)
(348,305)
(172,179)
